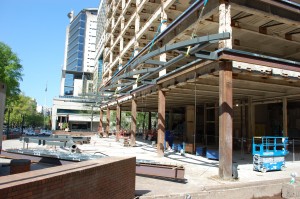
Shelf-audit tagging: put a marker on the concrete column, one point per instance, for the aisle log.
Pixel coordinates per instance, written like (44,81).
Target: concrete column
(2,108)
(107,121)
(161,122)
(136,51)
(133,122)
(225,96)
(164,18)
(284,117)
(137,23)
(113,21)
(121,44)
(123,4)
(122,23)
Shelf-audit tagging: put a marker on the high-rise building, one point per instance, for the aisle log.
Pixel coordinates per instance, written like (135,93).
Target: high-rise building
(79,53)
(74,106)
(100,39)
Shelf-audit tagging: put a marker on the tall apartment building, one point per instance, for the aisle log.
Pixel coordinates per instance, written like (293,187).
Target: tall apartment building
(100,39)
(227,70)
(80,50)
(75,104)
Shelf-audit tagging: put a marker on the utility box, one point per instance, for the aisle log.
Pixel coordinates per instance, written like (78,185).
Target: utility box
(269,153)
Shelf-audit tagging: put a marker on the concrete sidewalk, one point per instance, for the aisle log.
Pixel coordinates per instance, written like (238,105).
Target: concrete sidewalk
(201,173)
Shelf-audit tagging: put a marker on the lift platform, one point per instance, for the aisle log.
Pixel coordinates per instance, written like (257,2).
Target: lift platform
(269,153)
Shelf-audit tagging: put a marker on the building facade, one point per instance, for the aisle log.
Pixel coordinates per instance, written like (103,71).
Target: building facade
(76,105)
(225,70)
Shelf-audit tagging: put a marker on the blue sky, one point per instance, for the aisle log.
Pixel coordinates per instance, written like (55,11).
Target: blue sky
(36,30)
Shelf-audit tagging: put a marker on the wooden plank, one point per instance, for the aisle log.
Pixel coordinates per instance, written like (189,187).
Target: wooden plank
(161,122)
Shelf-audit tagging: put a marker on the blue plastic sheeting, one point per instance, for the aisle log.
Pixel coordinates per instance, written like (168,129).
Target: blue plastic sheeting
(168,138)
(212,154)
(200,151)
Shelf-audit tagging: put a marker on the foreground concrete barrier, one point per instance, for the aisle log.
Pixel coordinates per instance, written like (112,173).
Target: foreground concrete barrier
(109,177)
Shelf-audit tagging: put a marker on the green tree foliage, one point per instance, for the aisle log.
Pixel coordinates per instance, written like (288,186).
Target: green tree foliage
(10,71)
(23,108)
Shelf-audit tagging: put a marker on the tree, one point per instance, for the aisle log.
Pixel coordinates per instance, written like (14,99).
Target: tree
(10,71)
(22,112)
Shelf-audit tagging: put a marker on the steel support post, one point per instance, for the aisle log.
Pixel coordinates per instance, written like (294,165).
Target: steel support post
(149,120)
(284,117)
(101,122)
(225,96)
(118,122)
(133,122)
(225,120)
(161,122)
(107,122)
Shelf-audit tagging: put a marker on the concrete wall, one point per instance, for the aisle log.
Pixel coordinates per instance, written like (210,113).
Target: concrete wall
(103,178)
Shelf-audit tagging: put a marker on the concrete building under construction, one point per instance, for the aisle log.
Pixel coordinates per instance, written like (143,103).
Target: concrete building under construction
(222,70)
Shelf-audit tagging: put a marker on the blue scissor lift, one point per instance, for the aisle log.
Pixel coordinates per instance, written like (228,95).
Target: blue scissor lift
(269,153)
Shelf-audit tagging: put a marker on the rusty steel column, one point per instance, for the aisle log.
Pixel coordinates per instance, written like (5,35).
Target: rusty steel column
(107,122)
(225,96)
(133,122)
(204,124)
(225,120)
(284,117)
(101,122)
(161,122)
(2,108)
(216,139)
(118,122)
(118,118)
(149,120)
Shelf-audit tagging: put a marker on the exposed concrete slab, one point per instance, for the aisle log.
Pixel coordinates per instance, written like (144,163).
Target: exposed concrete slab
(291,190)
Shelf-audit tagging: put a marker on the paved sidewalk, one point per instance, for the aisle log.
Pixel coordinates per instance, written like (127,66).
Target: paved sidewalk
(201,173)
